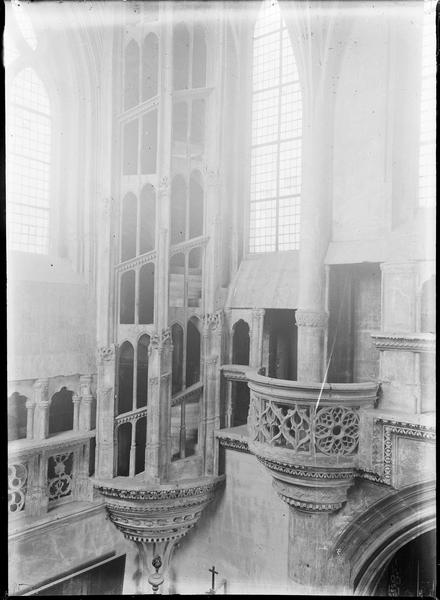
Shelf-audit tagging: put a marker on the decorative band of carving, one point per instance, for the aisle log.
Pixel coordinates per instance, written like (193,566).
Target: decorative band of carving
(311,507)
(234,444)
(309,318)
(159,494)
(411,343)
(304,472)
(106,353)
(392,429)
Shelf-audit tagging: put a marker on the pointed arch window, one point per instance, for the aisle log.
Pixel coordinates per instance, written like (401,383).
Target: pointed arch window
(276,137)
(28,164)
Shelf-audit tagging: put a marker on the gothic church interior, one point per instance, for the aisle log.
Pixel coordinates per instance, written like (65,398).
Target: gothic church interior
(221,285)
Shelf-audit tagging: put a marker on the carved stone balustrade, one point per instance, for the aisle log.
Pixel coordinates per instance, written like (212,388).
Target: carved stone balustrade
(45,473)
(156,516)
(307,436)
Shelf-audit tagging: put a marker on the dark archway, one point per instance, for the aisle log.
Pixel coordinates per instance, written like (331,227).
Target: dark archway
(146,294)
(17,417)
(61,411)
(240,343)
(124,445)
(125,378)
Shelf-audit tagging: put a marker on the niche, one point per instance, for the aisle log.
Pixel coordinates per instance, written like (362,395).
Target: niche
(61,411)
(240,343)
(281,341)
(192,352)
(17,417)
(125,378)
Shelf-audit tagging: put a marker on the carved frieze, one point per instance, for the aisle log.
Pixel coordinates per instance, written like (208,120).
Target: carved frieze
(234,444)
(411,343)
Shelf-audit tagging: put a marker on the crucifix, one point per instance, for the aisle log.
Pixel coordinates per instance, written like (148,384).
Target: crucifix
(214,573)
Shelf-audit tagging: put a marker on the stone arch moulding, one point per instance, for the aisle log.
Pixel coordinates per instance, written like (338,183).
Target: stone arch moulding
(371,540)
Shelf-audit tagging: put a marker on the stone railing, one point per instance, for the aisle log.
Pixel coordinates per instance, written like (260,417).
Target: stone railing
(43,474)
(307,435)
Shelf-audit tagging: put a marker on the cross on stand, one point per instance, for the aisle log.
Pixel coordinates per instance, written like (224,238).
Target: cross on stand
(213,573)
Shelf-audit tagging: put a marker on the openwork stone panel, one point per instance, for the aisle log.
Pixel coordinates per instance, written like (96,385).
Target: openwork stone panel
(59,471)
(333,431)
(17,482)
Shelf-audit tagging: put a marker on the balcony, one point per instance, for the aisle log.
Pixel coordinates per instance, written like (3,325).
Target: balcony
(307,435)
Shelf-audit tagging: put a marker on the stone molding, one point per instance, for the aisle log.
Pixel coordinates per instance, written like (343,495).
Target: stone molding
(310,318)
(106,353)
(231,443)
(132,418)
(387,431)
(164,493)
(138,261)
(422,342)
(305,472)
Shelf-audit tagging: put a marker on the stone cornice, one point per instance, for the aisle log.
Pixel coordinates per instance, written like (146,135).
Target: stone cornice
(165,492)
(416,342)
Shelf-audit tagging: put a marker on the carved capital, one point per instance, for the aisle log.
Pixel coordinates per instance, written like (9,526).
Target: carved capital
(310,318)
(41,391)
(213,321)
(85,383)
(106,353)
(160,341)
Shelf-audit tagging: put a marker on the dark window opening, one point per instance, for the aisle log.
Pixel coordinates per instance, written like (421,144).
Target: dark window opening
(61,411)
(146,294)
(147,234)
(149,143)
(129,227)
(131,78)
(17,417)
(240,402)
(192,352)
(150,66)
(281,332)
(142,371)
(124,445)
(130,162)
(354,313)
(92,455)
(125,378)
(177,362)
(126,314)
(240,343)
(141,437)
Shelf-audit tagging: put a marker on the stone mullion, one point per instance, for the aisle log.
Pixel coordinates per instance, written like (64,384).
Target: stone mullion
(41,397)
(132,467)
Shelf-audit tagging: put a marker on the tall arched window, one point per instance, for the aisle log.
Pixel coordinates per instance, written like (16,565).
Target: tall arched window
(28,164)
(276,137)
(427,171)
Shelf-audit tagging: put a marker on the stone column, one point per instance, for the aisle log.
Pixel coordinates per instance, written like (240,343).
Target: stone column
(30,408)
(212,346)
(318,37)
(85,411)
(41,397)
(159,394)
(105,411)
(256,341)
(76,400)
